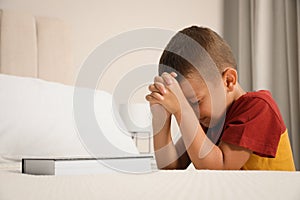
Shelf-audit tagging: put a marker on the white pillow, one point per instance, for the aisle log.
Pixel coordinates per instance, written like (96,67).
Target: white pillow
(36,119)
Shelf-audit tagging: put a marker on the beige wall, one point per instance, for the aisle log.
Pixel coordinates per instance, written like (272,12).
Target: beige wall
(94,21)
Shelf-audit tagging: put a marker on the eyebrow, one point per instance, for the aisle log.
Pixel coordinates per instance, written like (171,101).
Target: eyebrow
(195,96)
(194,99)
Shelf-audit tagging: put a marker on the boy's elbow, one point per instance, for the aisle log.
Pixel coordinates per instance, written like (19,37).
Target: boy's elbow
(172,166)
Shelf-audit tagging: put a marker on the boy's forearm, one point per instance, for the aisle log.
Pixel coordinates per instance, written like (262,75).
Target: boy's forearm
(203,153)
(163,136)
(165,151)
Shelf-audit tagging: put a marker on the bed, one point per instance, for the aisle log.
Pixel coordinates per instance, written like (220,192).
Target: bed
(159,185)
(36,67)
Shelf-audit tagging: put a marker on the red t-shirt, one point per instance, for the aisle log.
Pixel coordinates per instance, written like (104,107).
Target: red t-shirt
(254,122)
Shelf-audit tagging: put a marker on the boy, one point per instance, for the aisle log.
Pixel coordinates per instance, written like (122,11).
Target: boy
(222,126)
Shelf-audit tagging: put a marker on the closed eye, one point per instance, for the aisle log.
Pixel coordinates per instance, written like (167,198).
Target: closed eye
(195,103)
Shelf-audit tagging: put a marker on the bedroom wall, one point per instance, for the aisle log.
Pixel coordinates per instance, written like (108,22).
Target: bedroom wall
(94,21)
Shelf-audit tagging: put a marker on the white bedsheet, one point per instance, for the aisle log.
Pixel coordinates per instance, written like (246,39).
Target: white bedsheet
(175,184)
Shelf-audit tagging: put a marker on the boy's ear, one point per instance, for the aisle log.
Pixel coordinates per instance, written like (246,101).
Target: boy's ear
(229,77)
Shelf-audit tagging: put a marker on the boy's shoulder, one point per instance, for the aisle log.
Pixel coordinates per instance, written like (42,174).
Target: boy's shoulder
(255,97)
(261,94)
(262,97)
(255,103)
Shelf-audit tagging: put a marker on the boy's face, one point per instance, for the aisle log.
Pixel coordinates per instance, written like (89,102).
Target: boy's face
(202,101)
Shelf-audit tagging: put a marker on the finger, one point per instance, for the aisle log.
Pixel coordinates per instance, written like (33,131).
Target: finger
(152,88)
(168,78)
(159,79)
(161,87)
(173,74)
(157,96)
(157,87)
(151,99)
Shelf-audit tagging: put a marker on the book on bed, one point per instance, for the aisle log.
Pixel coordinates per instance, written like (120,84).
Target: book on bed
(71,166)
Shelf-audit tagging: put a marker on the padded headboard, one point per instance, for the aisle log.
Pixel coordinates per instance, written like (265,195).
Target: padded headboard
(35,47)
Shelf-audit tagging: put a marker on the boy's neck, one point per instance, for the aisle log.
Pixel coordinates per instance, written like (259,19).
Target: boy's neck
(238,92)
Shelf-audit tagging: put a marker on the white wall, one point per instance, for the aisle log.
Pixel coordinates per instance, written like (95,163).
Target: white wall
(94,21)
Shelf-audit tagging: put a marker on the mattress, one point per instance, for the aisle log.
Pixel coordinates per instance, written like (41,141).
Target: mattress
(161,184)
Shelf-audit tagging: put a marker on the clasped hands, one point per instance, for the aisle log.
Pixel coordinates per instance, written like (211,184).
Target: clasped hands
(166,91)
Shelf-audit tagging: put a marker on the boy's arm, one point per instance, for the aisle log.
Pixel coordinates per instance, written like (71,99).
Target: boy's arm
(184,158)
(203,153)
(166,153)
